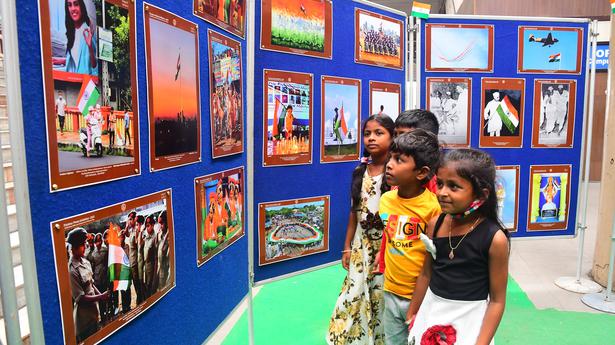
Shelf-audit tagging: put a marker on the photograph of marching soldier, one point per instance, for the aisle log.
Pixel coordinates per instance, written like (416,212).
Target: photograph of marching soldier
(554,111)
(120,261)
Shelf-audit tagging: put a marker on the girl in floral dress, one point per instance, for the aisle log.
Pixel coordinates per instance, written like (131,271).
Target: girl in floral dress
(357,314)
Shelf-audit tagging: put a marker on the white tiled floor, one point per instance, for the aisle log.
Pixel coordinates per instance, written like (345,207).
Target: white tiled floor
(535,264)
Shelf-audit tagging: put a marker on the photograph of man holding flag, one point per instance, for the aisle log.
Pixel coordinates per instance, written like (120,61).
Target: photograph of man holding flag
(501,120)
(112,262)
(340,115)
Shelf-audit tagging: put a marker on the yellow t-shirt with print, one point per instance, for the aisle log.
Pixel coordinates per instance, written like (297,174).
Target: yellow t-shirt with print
(404,220)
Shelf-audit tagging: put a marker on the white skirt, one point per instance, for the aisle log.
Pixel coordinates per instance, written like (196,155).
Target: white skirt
(446,318)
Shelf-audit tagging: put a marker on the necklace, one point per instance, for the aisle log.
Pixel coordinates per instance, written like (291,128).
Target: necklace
(451,255)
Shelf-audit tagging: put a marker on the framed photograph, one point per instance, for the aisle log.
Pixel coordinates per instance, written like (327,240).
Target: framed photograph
(226,100)
(549,197)
(551,50)
(507,193)
(290,229)
(501,121)
(340,113)
(225,14)
(378,40)
(172,59)
(219,212)
(459,48)
(451,101)
(554,112)
(384,98)
(122,257)
(303,27)
(287,118)
(92,122)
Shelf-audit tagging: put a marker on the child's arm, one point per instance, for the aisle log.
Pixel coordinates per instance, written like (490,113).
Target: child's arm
(422,281)
(498,277)
(350,230)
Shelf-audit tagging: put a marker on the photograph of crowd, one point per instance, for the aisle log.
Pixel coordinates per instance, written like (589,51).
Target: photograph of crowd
(554,111)
(226,14)
(502,112)
(172,58)
(92,123)
(219,212)
(378,40)
(297,27)
(384,98)
(288,122)
(293,228)
(459,47)
(341,109)
(549,193)
(226,103)
(449,99)
(112,264)
(553,50)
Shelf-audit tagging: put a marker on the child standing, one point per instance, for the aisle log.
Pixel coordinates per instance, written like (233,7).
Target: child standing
(357,315)
(461,294)
(405,212)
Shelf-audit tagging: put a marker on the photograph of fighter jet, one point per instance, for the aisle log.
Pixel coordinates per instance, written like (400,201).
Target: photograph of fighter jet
(550,50)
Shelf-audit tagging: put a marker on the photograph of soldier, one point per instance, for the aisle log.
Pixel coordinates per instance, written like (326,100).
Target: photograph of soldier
(118,261)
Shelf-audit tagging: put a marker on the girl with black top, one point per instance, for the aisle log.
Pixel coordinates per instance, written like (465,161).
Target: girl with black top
(461,292)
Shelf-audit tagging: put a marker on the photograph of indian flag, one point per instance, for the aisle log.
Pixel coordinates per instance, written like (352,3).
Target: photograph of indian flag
(506,104)
(550,49)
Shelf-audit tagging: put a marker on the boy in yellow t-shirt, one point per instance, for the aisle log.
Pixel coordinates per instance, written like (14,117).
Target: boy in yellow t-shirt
(405,213)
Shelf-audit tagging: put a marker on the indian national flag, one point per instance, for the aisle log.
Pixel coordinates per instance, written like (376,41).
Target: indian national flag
(612,6)
(119,266)
(508,114)
(88,96)
(555,57)
(420,9)
(277,116)
(341,122)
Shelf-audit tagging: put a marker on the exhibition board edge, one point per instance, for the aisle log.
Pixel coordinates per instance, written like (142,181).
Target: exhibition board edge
(296,273)
(150,97)
(55,262)
(44,83)
(326,198)
(574,123)
(266,119)
(196,223)
(238,307)
(485,145)
(323,117)
(568,196)
(209,82)
(261,46)
(402,38)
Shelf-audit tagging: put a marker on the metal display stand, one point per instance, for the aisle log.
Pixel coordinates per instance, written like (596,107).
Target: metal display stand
(604,301)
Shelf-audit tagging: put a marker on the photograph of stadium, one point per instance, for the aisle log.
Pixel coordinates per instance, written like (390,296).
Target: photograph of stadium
(291,229)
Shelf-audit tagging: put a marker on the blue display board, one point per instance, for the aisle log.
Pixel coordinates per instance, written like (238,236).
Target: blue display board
(505,57)
(315,179)
(203,296)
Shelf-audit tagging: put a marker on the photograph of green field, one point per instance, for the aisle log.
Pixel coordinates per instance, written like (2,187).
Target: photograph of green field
(298,25)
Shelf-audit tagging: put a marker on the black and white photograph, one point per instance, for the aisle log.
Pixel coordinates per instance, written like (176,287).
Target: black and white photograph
(449,99)
(554,104)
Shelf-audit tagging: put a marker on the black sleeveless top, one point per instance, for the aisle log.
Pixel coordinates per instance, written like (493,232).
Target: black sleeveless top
(466,276)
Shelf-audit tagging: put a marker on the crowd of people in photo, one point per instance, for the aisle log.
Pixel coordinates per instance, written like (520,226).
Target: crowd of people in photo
(96,300)
(379,42)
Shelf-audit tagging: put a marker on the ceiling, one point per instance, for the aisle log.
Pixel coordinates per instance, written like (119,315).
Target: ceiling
(437,6)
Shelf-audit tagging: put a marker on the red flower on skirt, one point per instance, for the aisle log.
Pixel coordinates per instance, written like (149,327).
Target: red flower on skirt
(439,335)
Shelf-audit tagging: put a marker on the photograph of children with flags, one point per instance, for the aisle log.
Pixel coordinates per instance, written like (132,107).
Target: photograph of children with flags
(301,27)
(550,50)
(502,112)
(172,58)
(112,264)
(378,39)
(219,212)
(341,109)
(92,124)
(226,102)
(287,127)
(554,111)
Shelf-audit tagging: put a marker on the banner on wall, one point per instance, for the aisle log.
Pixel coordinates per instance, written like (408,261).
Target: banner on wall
(92,122)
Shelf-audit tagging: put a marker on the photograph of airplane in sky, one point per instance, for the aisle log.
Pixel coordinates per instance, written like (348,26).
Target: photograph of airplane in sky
(550,50)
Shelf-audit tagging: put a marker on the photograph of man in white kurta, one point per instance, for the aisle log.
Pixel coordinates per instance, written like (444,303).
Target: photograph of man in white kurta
(553,126)
(449,102)
(501,114)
